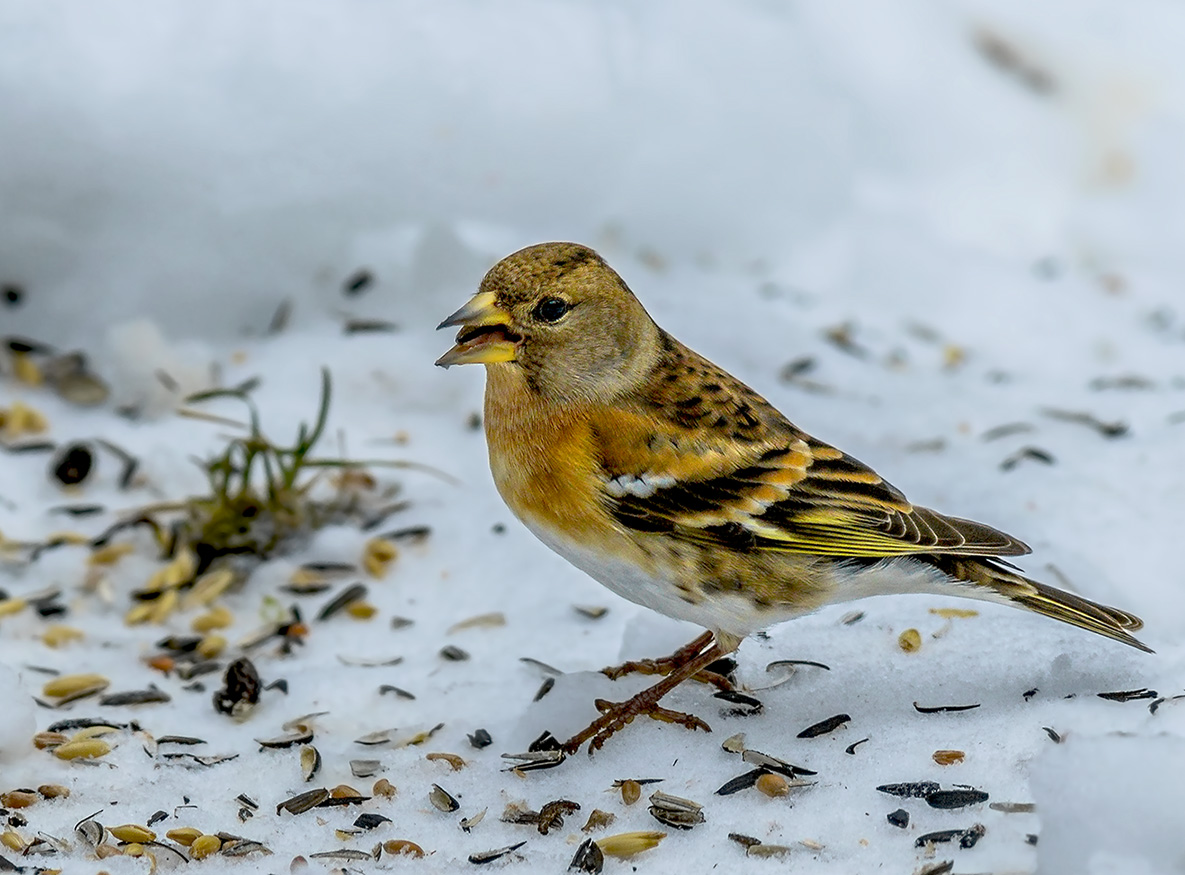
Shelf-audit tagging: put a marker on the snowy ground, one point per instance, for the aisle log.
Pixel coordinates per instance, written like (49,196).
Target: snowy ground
(954,243)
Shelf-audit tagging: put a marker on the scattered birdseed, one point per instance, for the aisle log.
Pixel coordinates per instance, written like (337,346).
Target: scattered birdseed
(451,758)
(773,785)
(749,706)
(130,832)
(1013,807)
(741,782)
(851,748)
(967,838)
(346,854)
(480,738)
(544,688)
(773,764)
(402,847)
(910,789)
(624,845)
(496,854)
(1106,429)
(1035,453)
(302,802)
(240,689)
(910,640)
(535,760)
(1128,695)
(948,757)
(592,612)
(942,868)
(960,798)
(598,819)
(542,666)
(675,811)
(279,742)
(370,820)
(942,709)
(898,818)
(442,800)
(764,850)
(397,691)
(1054,736)
(481,621)
(734,743)
(310,762)
(631,790)
(204,846)
(825,726)
(589,858)
(453,653)
(152,695)
(467,823)
(353,593)
(384,788)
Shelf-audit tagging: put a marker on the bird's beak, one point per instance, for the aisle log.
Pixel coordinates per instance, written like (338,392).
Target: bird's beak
(484,338)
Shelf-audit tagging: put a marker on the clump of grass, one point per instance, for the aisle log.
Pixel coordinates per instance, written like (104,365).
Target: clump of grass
(260,492)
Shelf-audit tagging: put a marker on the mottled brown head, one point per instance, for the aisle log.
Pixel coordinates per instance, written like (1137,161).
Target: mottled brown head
(564,318)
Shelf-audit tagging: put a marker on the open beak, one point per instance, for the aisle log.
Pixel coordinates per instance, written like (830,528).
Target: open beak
(484,338)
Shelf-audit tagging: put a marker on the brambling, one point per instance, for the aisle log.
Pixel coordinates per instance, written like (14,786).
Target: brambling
(680,488)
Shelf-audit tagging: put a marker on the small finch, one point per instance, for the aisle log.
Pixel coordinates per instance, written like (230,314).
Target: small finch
(678,487)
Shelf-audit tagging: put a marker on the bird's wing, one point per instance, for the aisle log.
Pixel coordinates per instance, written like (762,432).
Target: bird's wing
(728,470)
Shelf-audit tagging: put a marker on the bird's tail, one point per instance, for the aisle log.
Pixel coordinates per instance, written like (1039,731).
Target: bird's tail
(1002,585)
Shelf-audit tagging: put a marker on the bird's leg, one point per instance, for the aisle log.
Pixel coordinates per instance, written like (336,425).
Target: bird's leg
(615,715)
(667,664)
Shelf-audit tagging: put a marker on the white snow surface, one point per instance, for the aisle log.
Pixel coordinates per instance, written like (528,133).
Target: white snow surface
(761,174)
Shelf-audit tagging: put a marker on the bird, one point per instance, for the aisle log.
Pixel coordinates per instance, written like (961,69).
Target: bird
(678,487)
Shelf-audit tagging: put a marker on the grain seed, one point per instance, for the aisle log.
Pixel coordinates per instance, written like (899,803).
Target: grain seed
(910,640)
(184,835)
(87,749)
(74,686)
(948,757)
(204,846)
(131,832)
(773,785)
(624,845)
(397,847)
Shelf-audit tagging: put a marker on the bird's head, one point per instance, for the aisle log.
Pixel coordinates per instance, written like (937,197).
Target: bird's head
(563,317)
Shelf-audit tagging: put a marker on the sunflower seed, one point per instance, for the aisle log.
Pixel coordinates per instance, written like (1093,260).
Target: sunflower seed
(283,741)
(955,798)
(453,654)
(741,782)
(302,802)
(967,837)
(240,689)
(152,695)
(910,789)
(352,593)
(675,811)
(370,820)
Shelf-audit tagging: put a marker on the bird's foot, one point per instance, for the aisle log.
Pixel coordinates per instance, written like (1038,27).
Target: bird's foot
(667,665)
(691,661)
(615,716)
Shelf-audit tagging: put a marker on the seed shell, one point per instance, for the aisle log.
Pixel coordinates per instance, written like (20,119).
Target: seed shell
(496,854)
(310,762)
(442,800)
(948,757)
(589,858)
(825,726)
(955,798)
(943,709)
(910,640)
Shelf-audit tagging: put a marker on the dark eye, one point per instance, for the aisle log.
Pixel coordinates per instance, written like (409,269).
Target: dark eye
(551,309)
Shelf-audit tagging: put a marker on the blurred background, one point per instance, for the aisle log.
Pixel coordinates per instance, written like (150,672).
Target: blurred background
(199,164)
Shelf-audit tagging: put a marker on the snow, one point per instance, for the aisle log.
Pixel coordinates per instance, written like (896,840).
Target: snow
(760,174)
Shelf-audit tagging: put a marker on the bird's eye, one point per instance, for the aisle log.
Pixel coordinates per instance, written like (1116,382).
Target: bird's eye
(551,309)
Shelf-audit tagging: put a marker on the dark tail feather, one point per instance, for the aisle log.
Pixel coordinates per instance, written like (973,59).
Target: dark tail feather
(1046,600)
